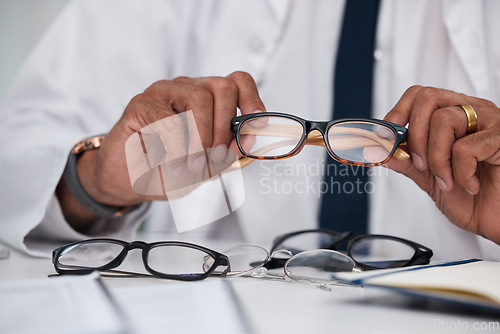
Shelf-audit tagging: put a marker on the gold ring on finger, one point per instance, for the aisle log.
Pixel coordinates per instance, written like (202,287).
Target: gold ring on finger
(471,118)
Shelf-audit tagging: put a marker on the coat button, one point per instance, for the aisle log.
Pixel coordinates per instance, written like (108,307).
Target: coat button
(256,44)
(378,54)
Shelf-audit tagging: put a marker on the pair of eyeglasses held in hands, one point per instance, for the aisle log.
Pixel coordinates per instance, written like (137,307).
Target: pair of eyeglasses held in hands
(357,141)
(311,257)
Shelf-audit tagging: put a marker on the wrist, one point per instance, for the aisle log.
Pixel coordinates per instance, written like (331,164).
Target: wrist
(81,179)
(90,181)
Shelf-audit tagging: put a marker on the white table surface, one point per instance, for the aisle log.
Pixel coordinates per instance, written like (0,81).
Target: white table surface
(284,307)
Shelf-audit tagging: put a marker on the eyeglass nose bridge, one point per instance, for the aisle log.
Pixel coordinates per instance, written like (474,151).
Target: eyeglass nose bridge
(314,125)
(136,245)
(345,236)
(312,138)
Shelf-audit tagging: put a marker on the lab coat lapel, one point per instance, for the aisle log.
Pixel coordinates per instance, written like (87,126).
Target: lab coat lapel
(279,8)
(465,25)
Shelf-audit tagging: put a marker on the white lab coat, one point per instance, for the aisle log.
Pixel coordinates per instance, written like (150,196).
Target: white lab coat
(100,53)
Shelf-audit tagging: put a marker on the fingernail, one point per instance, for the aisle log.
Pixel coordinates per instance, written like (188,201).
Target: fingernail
(219,153)
(417,161)
(198,164)
(256,111)
(441,184)
(470,192)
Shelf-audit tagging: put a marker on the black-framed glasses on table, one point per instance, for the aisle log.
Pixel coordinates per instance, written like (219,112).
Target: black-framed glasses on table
(357,141)
(164,259)
(174,260)
(366,251)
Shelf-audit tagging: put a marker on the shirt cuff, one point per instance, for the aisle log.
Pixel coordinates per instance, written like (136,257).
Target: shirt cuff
(54,230)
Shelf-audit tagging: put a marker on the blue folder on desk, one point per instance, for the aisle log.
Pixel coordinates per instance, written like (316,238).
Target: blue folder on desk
(473,282)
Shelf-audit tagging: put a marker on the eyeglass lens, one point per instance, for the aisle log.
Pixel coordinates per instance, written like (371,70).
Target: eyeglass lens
(308,241)
(356,141)
(382,253)
(317,266)
(274,136)
(378,252)
(175,260)
(243,259)
(88,255)
(362,142)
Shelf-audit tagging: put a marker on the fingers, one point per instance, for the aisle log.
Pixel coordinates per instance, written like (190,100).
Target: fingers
(248,95)
(446,126)
(442,153)
(237,90)
(400,114)
(427,101)
(416,107)
(471,150)
(200,101)
(225,94)
(174,111)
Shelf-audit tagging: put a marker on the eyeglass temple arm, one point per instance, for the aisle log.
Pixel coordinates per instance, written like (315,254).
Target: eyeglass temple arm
(369,138)
(123,273)
(110,272)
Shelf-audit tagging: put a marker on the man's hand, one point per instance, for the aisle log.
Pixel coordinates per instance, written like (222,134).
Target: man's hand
(213,102)
(460,172)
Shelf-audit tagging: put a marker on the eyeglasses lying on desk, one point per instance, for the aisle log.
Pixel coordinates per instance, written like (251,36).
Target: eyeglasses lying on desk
(314,256)
(366,251)
(311,256)
(357,141)
(164,259)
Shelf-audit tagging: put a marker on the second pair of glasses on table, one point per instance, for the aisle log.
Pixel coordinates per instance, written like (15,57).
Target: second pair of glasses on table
(357,141)
(311,256)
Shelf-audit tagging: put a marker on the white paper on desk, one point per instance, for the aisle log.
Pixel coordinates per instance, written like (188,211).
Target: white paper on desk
(182,307)
(69,304)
